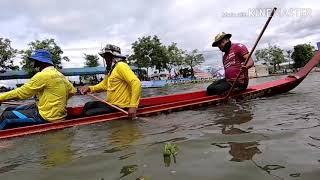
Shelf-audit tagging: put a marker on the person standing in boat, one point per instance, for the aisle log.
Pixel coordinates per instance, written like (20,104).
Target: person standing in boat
(49,85)
(122,86)
(235,55)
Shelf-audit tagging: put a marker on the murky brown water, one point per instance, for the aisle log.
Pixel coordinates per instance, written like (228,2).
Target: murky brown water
(270,138)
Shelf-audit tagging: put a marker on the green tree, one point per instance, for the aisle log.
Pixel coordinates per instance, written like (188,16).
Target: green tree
(261,54)
(90,61)
(48,44)
(289,53)
(175,56)
(141,53)
(159,58)
(7,53)
(273,55)
(193,59)
(302,54)
(276,55)
(149,52)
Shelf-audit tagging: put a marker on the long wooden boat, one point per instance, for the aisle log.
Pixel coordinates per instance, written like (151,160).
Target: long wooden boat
(155,105)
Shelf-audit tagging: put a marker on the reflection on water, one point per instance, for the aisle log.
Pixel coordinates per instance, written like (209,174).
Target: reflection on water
(122,135)
(8,168)
(241,151)
(126,170)
(235,115)
(56,149)
(4,144)
(270,168)
(126,156)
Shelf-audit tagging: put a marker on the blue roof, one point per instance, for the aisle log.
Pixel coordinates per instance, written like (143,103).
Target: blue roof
(21,74)
(83,71)
(14,75)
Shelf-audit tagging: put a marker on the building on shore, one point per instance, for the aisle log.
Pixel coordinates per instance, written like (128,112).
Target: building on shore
(259,70)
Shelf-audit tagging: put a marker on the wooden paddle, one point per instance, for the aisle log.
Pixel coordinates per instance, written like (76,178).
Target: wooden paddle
(116,107)
(12,103)
(251,52)
(102,100)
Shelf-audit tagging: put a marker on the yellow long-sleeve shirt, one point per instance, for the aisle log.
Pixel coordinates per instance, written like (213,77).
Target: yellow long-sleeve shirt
(122,86)
(52,89)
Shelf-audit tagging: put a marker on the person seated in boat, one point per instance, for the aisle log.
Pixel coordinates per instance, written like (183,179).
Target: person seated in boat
(235,55)
(49,85)
(122,86)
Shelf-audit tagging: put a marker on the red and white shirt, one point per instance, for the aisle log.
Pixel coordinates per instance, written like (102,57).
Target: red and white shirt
(232,62)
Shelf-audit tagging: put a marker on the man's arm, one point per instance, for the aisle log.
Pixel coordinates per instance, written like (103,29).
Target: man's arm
(127,75)
(71,89)
(102,86)
(28,90)
(250,62)
(242,51)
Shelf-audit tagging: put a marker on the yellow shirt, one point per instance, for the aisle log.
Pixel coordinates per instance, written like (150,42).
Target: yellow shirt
(52,89)
(122,86)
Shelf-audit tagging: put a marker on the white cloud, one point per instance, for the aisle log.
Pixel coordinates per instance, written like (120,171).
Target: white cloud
(82,26)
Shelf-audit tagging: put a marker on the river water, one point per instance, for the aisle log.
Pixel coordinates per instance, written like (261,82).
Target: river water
(269,138)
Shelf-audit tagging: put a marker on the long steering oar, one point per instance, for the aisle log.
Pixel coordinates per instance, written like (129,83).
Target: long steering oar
(251,52)
(102,100)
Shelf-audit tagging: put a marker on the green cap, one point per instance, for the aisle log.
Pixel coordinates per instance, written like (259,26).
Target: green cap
(219,37)
(112,49)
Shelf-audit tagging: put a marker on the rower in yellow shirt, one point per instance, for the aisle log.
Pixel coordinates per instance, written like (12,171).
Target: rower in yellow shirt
(49,85)
(122,86)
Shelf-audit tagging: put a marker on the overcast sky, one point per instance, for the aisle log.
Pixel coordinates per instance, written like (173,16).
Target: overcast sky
(83,26)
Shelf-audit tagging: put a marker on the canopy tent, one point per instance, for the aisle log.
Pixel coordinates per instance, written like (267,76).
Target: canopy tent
(14,75)
(21,74)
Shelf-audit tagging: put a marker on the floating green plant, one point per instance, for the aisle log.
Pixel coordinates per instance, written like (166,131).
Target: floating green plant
(170,150)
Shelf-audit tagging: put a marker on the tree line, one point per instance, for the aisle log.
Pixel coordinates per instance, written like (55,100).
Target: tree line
(274,55)
(150,52)
(8,53)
